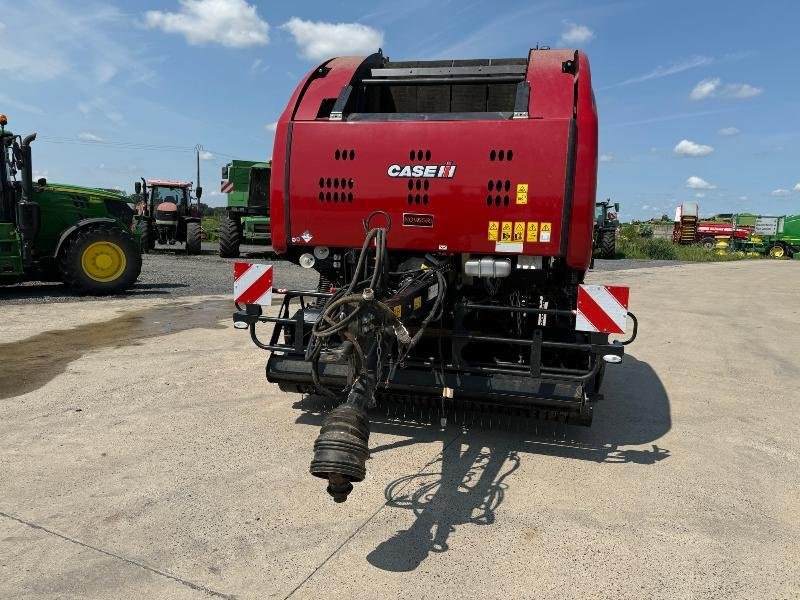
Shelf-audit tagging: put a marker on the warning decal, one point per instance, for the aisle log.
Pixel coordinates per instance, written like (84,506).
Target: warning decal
(493,227)
(533,232)
(522,193)
(519,231)
(505,233)
(544,236)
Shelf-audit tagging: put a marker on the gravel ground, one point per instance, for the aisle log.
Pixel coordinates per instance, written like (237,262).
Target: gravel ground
(170,273)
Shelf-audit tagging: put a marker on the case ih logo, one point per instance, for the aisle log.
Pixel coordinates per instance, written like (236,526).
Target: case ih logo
(417,220)
(445,171)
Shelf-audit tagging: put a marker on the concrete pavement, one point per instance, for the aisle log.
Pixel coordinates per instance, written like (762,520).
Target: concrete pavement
(142,454)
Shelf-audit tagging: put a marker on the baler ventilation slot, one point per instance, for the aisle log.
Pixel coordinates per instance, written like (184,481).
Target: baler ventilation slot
(501,155)
(344,155)
(336,189)
(419,155)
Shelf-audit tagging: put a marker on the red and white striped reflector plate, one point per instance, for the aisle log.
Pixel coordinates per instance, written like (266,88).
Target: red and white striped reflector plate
(226,187)
(252,284)
(602,308)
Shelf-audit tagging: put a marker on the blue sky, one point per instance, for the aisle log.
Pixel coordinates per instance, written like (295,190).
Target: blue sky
(698,100)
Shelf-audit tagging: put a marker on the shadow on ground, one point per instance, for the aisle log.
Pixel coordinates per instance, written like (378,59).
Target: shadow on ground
(468,481)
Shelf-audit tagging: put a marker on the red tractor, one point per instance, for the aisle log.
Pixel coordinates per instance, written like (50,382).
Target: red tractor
(448,207)
(166,214)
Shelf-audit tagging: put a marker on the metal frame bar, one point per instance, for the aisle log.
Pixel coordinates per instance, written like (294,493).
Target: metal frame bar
(439,71)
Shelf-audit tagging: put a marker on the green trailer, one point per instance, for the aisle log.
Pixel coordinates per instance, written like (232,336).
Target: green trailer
(246,219)
(81,236)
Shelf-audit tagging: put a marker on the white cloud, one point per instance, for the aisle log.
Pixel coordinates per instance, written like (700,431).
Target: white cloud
(698,183)
(206,155)
(741,90)
(230,23)
(258,66)
(709,88)
(15,62)
(705,89)
(728,131)
(670,69)
(606,158)
(576,34)
(796,187)
(319,40)
(105,72)
(271,127)
(781,192)
(88,136)
(690,148)
(742,197)
(700,195)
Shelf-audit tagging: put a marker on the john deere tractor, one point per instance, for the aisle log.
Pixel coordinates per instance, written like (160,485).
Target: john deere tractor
(606,222)
(246,219)
(50,231)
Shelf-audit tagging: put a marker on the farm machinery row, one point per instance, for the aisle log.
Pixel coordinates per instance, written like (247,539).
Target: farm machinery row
(447,207)
(775,236)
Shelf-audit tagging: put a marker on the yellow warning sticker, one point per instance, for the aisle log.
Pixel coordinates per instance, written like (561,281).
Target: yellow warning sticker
(519,231)
(533,232)
(493,227)
(398,311)
(522,193)
(505,233)
(544,235)
(417,302)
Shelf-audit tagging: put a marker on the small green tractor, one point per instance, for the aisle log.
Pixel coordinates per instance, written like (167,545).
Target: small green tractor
(247,216)
(605,228)
(49,231)
(165,214)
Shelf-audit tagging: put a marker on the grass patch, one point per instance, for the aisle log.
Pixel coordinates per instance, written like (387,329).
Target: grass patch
(210,227)
(631,245)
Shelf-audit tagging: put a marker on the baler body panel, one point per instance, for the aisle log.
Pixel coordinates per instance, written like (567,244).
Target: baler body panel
(330,197)
(554,149)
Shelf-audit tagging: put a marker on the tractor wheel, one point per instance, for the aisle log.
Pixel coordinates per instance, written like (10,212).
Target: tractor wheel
(608,244)
(194,234)
(229,237)
(100,260)
(148,236)
(777,251)
(708,242)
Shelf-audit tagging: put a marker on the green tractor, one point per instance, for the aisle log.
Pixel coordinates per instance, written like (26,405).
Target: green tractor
(48,231)
(605,228)
(246,218)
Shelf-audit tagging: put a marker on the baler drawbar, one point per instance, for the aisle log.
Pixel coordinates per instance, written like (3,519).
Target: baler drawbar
(448,209)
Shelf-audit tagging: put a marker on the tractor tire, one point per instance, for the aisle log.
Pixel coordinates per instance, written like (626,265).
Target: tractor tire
(148,236)
(100,260)
(230,237)
(608,244)
(194,235)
